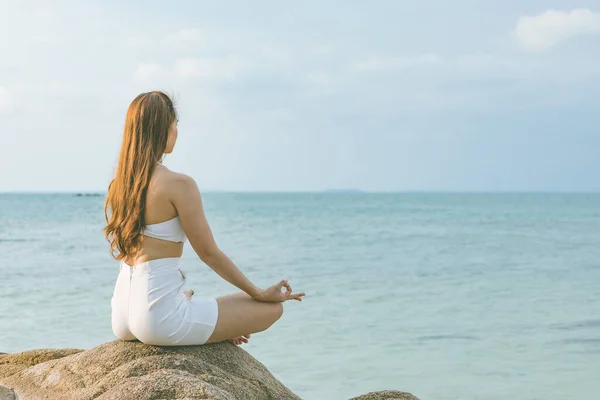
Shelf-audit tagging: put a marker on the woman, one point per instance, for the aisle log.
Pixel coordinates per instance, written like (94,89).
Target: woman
(154,211)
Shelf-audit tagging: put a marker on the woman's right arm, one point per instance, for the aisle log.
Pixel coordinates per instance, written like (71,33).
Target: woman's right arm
(186,198)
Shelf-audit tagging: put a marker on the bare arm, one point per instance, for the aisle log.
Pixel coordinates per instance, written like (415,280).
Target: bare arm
(188,202)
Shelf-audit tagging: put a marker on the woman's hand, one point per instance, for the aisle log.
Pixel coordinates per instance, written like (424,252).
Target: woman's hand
(274,293)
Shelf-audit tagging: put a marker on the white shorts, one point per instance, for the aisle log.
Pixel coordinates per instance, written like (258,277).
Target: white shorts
(148,304)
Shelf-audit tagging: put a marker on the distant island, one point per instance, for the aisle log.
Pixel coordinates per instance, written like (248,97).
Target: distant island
(88,194)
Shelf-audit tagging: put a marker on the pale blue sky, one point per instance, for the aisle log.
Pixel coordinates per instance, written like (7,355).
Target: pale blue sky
(379,95)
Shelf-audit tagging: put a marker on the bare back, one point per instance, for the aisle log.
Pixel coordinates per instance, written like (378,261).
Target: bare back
(159,208)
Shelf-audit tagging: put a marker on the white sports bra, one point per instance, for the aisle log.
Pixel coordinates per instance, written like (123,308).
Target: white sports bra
(170,230)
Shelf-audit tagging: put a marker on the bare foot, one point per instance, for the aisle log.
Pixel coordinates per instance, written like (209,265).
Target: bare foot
(240,340)
(188,294)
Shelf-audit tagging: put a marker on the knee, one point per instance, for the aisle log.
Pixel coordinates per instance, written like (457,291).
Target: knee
(278,310)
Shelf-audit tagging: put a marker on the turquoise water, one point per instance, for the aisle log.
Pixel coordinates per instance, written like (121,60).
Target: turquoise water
(448,296)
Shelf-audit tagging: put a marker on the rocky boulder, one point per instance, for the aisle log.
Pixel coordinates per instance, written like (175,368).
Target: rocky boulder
(121,370)
(386,395)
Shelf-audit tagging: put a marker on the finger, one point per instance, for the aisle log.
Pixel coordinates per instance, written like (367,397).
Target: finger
(288,287)
(283,283)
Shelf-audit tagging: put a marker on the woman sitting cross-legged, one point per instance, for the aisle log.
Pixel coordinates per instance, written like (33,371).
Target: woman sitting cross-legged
(153,212)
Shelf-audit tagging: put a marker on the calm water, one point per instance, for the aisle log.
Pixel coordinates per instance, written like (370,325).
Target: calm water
(448,296)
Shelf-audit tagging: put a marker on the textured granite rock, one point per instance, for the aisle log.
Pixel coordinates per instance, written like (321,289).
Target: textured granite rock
(386,395)
(121,370)
(132,370)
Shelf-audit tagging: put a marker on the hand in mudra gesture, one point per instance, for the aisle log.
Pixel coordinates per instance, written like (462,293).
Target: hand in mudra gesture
(274,293)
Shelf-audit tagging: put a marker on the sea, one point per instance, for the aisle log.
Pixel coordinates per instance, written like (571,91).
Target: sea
(444,295)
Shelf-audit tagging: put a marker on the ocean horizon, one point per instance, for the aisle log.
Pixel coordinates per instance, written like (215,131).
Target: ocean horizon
(330,191)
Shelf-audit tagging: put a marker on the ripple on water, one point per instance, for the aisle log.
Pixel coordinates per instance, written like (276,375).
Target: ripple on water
(582,340)
(446,337)
(585,324)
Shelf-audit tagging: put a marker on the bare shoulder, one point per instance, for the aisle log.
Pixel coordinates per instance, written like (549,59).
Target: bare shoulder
(168,187)
(179,183)
(181,189)
(168,180)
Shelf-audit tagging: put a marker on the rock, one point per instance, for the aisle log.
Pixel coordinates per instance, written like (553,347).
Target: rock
(12,363)
(121,370)
(386,395)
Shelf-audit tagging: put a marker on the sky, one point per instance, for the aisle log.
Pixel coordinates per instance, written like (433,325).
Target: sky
(426,95)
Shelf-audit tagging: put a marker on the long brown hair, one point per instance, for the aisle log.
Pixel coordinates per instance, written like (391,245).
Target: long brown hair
(147,124)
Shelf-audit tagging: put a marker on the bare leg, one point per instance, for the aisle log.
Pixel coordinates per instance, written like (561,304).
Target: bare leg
(241,315)
(236,340)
